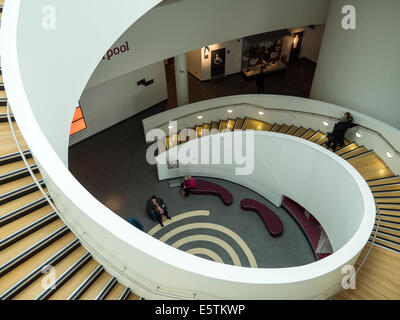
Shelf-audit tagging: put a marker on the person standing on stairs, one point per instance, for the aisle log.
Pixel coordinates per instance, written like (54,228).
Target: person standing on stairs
(336,137)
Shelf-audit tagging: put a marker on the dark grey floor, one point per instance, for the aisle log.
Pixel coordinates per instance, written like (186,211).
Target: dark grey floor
(112,166)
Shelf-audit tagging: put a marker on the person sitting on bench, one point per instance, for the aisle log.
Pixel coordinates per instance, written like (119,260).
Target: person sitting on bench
(188,184)
(157,207)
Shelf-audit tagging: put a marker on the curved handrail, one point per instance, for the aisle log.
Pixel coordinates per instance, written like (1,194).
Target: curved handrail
(10,122)
(92,250)
(290,111)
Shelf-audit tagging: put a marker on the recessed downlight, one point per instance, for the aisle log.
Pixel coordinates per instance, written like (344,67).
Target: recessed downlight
(389,154)
(261,113)
(359,135)
(326,123)
(230,110)
(199,117)
(170,127)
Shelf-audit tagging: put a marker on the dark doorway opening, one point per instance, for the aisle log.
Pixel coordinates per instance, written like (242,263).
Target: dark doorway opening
(218,63)
(296,45)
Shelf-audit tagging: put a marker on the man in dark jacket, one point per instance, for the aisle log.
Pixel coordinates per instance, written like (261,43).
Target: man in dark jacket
(157,208)
(336,137)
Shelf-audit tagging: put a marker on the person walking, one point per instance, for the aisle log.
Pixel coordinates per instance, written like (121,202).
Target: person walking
(336,137)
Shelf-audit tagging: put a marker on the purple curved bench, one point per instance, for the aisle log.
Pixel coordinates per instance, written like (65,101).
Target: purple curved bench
(271,220)
(207,187)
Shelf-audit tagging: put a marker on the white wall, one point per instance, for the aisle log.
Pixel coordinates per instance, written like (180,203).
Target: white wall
(360,69)
(312,42)
(194,63)
(120,98)
(169,30)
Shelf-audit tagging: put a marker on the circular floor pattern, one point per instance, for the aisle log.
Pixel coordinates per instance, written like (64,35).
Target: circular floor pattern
(221,243)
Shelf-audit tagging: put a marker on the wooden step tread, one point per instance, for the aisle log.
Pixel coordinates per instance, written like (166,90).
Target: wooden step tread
(20,202)
(36,287)
(257,125)
(115,292)
(75,281)
(7,143)
(19,183)
(9,279)
(14,166)
(24,221)
(354,152)
(92,292)
(389,180)
(30,240)
(348,148)
(370,166)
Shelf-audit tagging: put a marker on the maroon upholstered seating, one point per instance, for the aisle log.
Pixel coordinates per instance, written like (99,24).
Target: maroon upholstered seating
(271,220)
(207,187)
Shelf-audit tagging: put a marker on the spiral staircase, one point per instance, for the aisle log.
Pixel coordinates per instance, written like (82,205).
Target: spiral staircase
(36,246)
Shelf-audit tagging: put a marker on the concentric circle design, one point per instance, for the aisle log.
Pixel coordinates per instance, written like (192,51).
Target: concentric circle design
(224,246)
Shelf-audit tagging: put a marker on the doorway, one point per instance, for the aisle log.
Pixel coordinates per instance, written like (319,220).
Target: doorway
(218,63)
(296,45)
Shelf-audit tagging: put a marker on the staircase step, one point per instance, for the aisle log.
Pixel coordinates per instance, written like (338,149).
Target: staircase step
(230,125)
(13,157)
(93,291)
(318,135)
(386,188)
(125,294)
(19,278)
(293,130)
(116,292)
(18,188)
(35,289)
(23,222)
(31,240)
(356,152)
(11,238)
(9,168)
(206,129)
(107,289)
(222,125)
(257,125)
(238,124)
(284,129)
(370,166)
(308,134)
(7,143)
(384,181)
(300,132)
(276,127)
(91,277)
(390,194)
(69,279)
(13,258)
(384,206)
(27,202)
(347,148)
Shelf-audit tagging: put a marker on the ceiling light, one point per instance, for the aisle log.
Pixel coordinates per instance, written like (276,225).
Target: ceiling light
(230,111)
(199,117)
(326,123)
(170,127)
(358,134)
(260,113)
(389,154)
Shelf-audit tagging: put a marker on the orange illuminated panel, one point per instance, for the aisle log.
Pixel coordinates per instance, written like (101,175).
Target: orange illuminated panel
(78,114)
(78,122)
(77,126)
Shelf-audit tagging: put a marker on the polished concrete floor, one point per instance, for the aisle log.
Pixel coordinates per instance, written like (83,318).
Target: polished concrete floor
(113,167)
